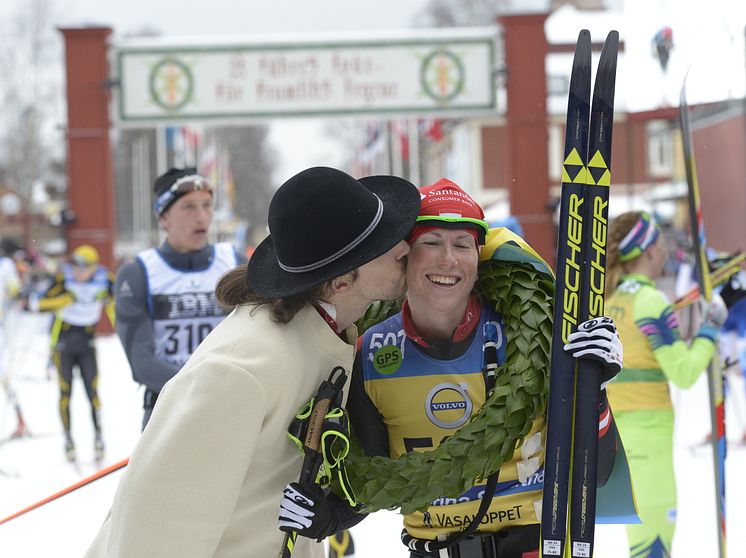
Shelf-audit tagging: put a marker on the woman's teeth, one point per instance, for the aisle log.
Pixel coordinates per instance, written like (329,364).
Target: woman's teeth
(442,280)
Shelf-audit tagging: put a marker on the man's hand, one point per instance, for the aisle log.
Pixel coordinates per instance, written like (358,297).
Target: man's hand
(304,509)
(597,339)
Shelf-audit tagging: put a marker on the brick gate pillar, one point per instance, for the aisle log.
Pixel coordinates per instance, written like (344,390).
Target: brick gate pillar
(527,134)
(90,178)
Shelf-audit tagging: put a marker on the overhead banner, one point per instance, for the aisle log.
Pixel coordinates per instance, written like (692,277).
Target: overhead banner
(420,73)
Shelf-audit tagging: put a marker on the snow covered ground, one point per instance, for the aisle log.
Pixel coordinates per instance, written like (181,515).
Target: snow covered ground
(34,468)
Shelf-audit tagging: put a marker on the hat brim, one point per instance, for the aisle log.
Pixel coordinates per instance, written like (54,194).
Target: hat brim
(401,205)
(481,228)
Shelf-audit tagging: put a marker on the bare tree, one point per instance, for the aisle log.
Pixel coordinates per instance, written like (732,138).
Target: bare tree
(31,146)
(460,13)
(252,162)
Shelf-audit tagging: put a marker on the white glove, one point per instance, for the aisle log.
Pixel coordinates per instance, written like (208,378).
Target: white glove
(597,339)
(715,312)
(304,509)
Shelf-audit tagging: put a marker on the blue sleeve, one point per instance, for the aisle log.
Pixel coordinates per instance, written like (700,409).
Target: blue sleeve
(135,328)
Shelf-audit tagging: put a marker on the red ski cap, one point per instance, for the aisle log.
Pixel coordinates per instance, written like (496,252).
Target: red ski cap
(445,205)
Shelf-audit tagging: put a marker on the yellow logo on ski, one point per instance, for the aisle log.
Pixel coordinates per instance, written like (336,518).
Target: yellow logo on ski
(574,161)
(597,161)
(573,158)
(605,179)
(597,164)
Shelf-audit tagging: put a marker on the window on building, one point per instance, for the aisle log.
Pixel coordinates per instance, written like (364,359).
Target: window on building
(556,148)
(660,148)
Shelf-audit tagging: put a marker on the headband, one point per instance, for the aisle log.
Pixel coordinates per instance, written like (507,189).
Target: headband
(640,238)
(183,185)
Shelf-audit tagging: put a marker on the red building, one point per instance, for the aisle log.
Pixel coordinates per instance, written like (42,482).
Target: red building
(648,168)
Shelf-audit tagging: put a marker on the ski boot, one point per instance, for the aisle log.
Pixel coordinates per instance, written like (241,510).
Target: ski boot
(21,430)
(69,449)
(98,447)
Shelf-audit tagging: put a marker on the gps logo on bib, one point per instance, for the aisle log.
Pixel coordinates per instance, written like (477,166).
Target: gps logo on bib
(387,359)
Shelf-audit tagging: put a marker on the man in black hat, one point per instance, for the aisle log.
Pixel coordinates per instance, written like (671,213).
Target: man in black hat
(165,300)
(207,476)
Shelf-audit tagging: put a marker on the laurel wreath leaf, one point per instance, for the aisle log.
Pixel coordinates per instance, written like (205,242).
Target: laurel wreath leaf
(524,297)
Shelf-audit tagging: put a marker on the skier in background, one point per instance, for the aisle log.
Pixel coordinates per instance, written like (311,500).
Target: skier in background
(10,285)
(663,44)
(654,354)
(165,298)
(82,289)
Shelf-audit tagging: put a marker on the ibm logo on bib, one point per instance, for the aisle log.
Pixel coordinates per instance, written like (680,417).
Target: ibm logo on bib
(448,405)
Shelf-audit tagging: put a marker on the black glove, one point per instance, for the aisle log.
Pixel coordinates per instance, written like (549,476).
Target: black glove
(734,289)
(305,510)
(598,339)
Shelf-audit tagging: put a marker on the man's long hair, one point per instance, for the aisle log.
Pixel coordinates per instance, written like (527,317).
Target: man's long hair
(233,290)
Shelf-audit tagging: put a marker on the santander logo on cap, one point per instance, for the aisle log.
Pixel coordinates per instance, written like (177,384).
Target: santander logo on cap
(446,199)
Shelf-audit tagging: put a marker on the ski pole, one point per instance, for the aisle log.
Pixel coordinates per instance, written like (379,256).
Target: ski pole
(94,477)
(715,380)
(329,394)
(719,276)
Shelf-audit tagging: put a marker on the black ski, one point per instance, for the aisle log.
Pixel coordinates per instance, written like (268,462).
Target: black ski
(557,455)
(581,264)
(715,378)
(588,387)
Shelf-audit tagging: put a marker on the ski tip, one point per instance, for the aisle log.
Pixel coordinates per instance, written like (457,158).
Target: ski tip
(581,63)
(611,44)
(608,60)
(584,41)
(682,94)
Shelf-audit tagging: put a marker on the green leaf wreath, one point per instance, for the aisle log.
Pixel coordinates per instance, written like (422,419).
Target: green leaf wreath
(524,297)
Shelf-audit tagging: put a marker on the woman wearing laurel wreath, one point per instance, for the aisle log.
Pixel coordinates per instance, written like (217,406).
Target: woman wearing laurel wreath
(420,378)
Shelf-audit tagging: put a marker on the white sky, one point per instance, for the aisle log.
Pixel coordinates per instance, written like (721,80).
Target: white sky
(708,39)
(176,17)
(299,143)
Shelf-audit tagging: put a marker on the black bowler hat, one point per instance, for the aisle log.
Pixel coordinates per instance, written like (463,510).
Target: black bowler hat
(324,223)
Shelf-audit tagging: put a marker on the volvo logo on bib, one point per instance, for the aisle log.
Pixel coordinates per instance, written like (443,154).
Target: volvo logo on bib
(448,405)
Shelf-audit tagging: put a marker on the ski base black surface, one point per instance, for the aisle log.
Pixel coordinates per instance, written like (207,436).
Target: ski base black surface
(557,457)
(572,414)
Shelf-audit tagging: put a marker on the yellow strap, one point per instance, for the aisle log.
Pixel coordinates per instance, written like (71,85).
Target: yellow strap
(54,303)
(340,546)
(54,335)
(110,312)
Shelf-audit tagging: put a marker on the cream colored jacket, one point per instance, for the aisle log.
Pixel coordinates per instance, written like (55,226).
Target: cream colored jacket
(207,475)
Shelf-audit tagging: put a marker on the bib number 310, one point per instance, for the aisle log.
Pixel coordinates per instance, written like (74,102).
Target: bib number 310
(185,337)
